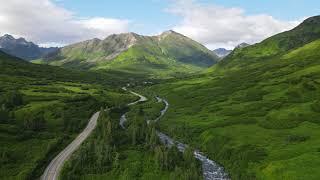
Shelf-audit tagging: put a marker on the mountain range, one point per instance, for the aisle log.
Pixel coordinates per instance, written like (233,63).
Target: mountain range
(23,49)
(222,52)
(256,112)
(167,53)
(242,45)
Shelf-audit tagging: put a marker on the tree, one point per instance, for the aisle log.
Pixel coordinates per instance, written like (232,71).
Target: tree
(141,112)
(175,157)
(134,130)
(165,158)
(109,132)
(116,163)
(177,174)
(12,99)
(107,153)
(4,116)
(159,157)
(134,135)
(5,157)
(188,156)
(34,121)
(125,175)
(99,153)
(101,111)
(192,173)
(153,138)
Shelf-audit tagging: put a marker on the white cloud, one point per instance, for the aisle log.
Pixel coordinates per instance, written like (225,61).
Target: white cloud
(43,22)
(217,26)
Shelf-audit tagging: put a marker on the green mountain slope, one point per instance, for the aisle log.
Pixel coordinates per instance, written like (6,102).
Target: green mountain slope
(257,111)
(42,108)
(166,54)
(279,44)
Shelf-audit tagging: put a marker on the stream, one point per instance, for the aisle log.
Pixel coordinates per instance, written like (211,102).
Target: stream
(211,170)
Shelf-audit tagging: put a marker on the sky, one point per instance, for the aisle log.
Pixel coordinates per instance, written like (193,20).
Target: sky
(214,23)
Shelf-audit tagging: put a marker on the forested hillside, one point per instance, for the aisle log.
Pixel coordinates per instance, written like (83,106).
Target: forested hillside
(257,111)
(42,108)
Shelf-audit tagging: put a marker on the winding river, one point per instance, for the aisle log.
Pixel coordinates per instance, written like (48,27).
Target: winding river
(211,170)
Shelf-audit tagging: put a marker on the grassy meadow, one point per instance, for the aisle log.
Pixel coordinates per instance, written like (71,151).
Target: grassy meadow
(259,118)
(41,112)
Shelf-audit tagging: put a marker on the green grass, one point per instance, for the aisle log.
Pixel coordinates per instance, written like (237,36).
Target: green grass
(64,117)
(53,109)
(256,112)
(148,61)
(42,109)
(258,118)
(280,44)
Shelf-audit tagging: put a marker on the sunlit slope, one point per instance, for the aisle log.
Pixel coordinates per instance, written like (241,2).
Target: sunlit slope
(42,108)
(256,116)
(279,44)
(167,54)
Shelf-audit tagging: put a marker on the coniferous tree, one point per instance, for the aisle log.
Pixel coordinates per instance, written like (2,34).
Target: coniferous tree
(165,159)
(4,115)
(134,135)
(12,99)
(177,174)
(109,132)
(174,157)
(116,163)
(158,155)
(125,175)
(153,138)
(188,156)
(193,172)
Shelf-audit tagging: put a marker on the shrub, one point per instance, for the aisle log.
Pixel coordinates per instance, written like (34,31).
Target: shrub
(315,106)
(255,95)
(34,121)
(275,122)
(4,116)
(294,96)
(297,138)
(309,85)
(11,99)
(237,159)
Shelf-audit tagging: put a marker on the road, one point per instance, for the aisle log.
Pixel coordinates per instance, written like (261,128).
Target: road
(123,118)
(142,98)
(210,169)
(53,170)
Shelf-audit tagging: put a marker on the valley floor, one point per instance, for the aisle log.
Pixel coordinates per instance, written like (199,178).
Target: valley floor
(254,126)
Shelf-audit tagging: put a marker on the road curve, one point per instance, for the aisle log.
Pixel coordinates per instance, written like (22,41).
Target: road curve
(142,98)
(123,118)
(53,170)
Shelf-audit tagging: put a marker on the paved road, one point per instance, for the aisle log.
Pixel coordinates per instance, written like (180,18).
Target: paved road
(123,118)
(53,170)
(210,169)
(142,98)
